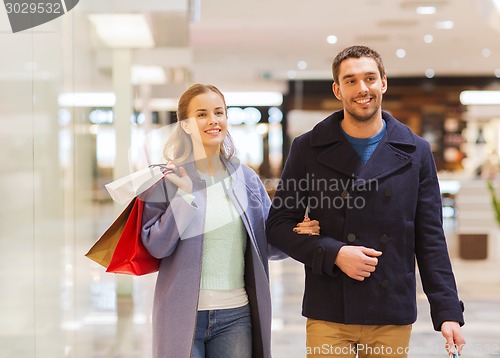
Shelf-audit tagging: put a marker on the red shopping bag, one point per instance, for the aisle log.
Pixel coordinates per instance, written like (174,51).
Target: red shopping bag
(102,251)
(130,256)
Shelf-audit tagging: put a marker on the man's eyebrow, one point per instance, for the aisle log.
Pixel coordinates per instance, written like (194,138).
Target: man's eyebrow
(349,75)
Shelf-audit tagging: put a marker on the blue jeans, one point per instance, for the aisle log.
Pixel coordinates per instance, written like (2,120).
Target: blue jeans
(225,333)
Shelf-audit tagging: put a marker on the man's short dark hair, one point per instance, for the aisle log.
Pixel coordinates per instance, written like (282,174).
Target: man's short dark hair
(356,52)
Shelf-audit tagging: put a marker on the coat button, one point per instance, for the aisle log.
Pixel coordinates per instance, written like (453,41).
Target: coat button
(384,283)
(319,250)
(388,192)
(351,237)
(344,194)
(384,238)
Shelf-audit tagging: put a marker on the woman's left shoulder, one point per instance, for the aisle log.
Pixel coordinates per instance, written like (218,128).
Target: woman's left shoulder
(251,175)
(235,165)
(247,170)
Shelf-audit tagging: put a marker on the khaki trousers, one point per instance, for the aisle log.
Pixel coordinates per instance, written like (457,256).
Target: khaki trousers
(328,339)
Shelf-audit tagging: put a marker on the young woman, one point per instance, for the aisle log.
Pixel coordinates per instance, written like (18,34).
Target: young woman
(206,223)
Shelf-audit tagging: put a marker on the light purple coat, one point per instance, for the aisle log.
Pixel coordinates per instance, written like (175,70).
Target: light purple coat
(173,231)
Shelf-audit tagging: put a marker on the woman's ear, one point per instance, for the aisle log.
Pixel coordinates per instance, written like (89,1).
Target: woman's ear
(185,127)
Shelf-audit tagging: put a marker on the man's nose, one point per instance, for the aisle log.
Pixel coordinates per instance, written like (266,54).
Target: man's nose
(363,88)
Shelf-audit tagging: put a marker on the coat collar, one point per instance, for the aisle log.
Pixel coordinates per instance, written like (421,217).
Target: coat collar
(394,151)
(328,131)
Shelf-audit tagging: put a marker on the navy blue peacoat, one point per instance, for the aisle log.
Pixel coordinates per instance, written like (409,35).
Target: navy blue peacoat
(391,204)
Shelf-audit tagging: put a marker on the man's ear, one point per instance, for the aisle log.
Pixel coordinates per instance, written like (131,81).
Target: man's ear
(384,84)
(336,91)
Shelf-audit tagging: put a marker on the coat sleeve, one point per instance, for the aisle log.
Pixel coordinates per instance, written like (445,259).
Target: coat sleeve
(288,206)
(272,252)
(431,250)
(165,220)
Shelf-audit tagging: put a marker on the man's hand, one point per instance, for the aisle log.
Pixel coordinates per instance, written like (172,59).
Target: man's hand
(452,332)
(357,262)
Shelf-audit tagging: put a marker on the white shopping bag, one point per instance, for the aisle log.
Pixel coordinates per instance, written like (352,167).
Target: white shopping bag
(123,190)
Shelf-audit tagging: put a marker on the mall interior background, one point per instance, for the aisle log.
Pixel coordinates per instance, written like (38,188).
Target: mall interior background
(57,152)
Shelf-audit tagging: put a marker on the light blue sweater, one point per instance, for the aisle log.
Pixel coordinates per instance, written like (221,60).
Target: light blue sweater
(365,147)
(224,243)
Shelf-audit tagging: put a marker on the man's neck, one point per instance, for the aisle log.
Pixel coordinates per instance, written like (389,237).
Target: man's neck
(359,129)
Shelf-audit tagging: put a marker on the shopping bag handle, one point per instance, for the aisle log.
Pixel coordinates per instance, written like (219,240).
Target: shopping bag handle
(165,171)
(163,167)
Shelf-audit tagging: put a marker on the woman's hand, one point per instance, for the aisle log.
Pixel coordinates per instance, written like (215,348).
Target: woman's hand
(179,177)
(307,227)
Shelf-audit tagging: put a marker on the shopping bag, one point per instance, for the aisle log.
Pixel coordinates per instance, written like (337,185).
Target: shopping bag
(130,256)
(123,190)
(102,251)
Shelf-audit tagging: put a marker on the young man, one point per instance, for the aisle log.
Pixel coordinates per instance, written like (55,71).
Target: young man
(372,185)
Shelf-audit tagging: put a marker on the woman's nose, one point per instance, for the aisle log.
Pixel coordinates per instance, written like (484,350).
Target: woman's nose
(213,119)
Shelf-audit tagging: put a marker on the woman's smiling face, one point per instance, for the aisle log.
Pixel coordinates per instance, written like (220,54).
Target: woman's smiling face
(207,122)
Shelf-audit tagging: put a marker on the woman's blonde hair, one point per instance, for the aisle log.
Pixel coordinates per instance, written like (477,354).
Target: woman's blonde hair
(179,146)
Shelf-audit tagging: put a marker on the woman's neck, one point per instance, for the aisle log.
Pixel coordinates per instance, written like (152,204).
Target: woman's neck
(209,163)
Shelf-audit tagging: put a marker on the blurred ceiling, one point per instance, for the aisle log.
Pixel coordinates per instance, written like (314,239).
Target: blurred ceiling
(261,44)
(246,43)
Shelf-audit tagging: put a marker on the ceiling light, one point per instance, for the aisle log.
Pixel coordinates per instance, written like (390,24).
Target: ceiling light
(480,97)
(428,39)
(401,53)
(332,39)
(302,65)
(253,98)
(486,52)
(291,74)
(497,73)
(275,115)
(426,10)
(444,25)
(235,115)
(123,30)
(153,75)
(87,99)
(252,115)
(429,73)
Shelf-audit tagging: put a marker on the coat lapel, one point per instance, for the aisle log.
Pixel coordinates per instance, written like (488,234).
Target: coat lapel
(338,153)
(239,196)
(384,161)
(342,158)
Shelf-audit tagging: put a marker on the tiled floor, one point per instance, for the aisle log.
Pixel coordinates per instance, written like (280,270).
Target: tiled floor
(55,303)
